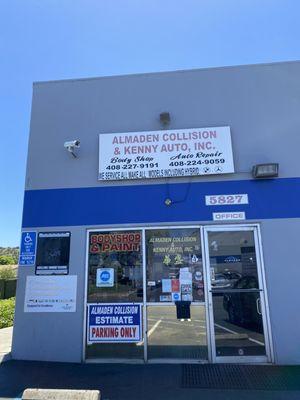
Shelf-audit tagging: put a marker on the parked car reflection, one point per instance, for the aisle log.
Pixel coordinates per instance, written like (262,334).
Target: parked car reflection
(220,281)
(232,276)
(243,305)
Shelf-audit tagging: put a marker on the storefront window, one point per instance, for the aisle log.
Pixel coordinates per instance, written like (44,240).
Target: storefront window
(115,267)
(115,277)
(174,265)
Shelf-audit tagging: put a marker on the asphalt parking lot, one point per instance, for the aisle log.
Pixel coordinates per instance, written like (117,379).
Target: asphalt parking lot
(168,338)
(152,381)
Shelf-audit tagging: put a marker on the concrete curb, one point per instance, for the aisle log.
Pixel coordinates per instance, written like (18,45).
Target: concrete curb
(60,394)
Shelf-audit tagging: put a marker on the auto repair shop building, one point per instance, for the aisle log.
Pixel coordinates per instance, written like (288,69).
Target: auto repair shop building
(161,218)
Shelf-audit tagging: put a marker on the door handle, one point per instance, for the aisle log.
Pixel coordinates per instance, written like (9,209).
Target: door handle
(258,308)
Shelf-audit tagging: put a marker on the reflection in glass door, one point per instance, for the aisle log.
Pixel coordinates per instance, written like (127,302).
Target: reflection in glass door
(174,272)
(236,294)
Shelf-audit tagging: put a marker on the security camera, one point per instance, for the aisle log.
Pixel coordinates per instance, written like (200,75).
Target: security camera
(71,146)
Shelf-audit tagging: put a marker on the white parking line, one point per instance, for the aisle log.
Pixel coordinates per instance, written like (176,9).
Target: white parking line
(150,331)
(187,324)
(236,333)
(256,341)
(154,327)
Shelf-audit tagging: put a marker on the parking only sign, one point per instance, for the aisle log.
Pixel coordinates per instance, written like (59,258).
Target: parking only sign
(27,249)
(119,323)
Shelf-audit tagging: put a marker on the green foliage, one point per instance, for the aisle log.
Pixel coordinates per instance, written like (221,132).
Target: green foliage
(10,251)
(7,273)
(7,311)
(6,260)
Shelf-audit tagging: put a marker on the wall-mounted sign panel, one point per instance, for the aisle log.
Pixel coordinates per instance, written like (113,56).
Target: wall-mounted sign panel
(120,323)
(53,253)
(226,199)
(165,154)
(27,249)
(50,294)
(229,216)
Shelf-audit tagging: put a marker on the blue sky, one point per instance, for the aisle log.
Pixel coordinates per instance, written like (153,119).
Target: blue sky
(59,39)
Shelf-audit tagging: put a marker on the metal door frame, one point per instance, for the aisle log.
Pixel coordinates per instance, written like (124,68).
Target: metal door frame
(255,228)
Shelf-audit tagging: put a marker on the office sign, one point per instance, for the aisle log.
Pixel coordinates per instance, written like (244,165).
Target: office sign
(50,294)
(27,249)
(119,323)
(165,154)
(229,216)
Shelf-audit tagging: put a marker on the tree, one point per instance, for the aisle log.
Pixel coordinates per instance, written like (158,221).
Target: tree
(10,251)
(7,260)
(7,273)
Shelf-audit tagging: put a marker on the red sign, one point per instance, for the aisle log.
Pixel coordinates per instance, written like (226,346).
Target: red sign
(175,284)
(100,243)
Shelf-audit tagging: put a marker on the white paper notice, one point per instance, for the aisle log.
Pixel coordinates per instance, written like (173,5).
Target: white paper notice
(166,285)
(50,294)
(185,277)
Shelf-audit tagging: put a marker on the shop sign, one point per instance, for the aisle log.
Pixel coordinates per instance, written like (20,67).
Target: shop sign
(115,242)
(165,154)
(229,216)
(27,249)
(118,323)
(50,294)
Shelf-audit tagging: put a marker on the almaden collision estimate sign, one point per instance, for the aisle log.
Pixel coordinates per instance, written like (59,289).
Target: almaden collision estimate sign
(166,153)
(114,323)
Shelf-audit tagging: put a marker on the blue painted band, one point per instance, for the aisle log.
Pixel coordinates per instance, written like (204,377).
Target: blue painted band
(273,198)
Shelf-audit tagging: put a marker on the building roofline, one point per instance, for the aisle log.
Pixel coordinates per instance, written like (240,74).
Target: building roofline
(166,72)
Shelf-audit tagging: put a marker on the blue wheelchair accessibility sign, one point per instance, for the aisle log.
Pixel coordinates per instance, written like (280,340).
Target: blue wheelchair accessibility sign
(27,249)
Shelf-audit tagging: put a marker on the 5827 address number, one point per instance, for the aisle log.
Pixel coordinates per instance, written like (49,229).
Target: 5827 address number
(226,199)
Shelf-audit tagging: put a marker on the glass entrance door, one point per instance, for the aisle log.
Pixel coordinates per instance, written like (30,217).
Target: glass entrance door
(174,273)
(237,308)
